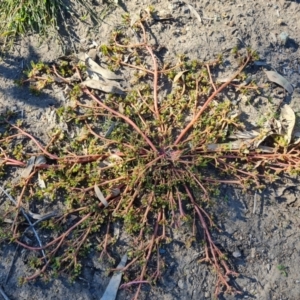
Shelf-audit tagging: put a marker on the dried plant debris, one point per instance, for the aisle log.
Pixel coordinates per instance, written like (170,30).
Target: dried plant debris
(100,195)
(280,80)
(194,12)
(254,139)
(105,73)
(288,121)
(113,286)
(107,87)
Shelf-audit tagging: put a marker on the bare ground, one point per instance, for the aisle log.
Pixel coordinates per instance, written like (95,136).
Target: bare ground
(260,230)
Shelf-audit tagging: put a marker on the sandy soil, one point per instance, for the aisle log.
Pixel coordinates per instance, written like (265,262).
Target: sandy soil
(261,231)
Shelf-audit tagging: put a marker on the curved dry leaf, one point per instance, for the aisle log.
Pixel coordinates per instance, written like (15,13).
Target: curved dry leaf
(92,53)
(280,80)
(103,72)
(194,12)
(40,160)
(288,120)
(251,134)
(114,283)
(93,75)
(100,195)
(116,192)
(41,182)
(296,137)
(115,157)
(176,78)
(104,86)
(30,164)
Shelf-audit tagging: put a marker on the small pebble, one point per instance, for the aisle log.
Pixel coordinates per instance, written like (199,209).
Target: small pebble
(183,31)
(280,22)
(162,251)
(283,38)
(180,284)
(231,23)
(237,254)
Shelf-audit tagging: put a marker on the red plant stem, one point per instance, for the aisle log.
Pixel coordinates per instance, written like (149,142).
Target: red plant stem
(208,101)
(152,242)
(125,285)
(34,140)
(59,76)
(216,254)
(127,120)
(61,237)
(136,67)
(13,162)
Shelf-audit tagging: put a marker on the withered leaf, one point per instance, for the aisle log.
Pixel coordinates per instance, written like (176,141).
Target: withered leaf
(178,75)
(280,80)
(100,195)
(30,164)
(288,120)
(113,286)
(103,72)
(104,86)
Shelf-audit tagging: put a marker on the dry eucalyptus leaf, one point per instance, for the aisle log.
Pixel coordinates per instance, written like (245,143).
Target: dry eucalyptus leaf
(40,160)
(74,78)
(30,164)
(266,149)
(296,137)
(288,120)
(93,75)
(103,72)
(280,80)
(235,145)
(116,192)
(251,134)
(116,225)
(92,53)
(9,221)
(115,157)
(194,12)
(121,108)
(114,283)
(96,76)
(41,182)
(177,77)
(106,87)
(35,216)
(100,195)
